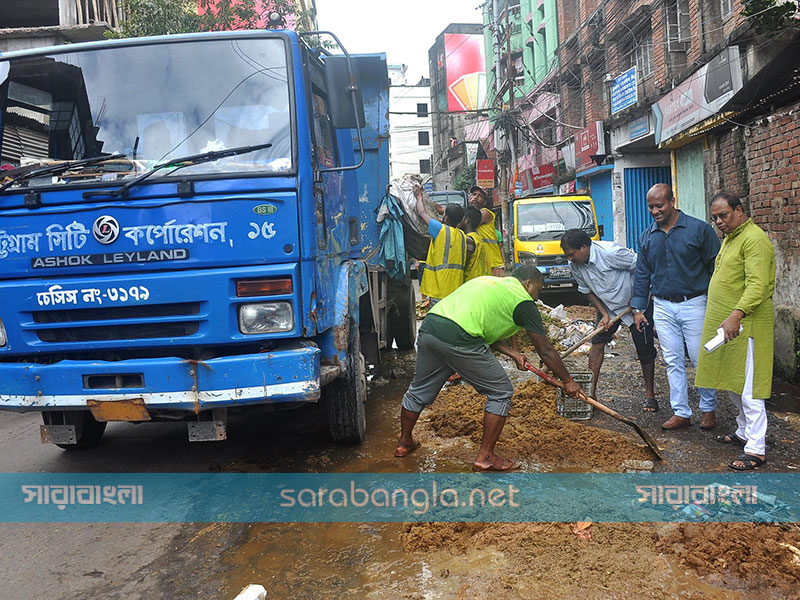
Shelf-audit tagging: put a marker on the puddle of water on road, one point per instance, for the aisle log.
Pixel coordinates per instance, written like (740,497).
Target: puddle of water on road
(348,560)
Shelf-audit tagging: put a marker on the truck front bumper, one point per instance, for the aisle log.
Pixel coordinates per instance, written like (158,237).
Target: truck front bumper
(288,374)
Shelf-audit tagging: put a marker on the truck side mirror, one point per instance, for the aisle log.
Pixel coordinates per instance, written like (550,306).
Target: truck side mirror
(341,95)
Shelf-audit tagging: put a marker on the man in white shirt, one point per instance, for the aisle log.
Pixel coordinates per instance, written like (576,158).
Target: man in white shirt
(605,273)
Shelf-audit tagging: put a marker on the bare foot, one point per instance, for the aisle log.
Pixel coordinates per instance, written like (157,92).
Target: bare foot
(488,462)
(403,451)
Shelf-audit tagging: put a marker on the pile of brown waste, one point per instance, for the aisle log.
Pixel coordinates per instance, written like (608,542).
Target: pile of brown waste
(534,430)
(760,553)
(585,313)
(621,560)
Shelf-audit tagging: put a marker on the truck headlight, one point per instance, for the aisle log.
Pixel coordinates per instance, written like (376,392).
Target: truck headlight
(527,258)
(266,317)
(2,334)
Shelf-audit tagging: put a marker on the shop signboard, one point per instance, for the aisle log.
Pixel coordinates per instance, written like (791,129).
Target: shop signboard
(542,176)
(624,92)
(639,127)
(699,97)
(485,171)
(589,142)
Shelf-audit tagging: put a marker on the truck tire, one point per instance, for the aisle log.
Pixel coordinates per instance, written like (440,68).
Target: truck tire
(345,397)
(88,431)
(403,320)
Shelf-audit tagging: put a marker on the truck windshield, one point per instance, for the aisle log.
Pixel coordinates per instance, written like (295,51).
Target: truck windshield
(444,198)
(547,221)
(147,103)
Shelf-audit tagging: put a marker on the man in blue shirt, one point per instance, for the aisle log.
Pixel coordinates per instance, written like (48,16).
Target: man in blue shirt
(675,263)
(604,272)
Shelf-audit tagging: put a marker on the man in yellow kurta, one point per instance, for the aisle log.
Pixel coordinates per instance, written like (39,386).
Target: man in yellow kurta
(486,230)
(740,296)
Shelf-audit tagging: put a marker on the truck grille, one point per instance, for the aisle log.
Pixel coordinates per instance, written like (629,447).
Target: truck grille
(551,260)
(89,325)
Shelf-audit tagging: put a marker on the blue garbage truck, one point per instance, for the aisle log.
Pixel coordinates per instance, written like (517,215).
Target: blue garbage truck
(187,229)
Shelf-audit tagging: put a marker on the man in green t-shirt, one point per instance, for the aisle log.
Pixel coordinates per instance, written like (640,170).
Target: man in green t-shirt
(459,334)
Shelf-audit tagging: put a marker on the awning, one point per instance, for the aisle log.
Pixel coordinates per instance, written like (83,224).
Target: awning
(594,171)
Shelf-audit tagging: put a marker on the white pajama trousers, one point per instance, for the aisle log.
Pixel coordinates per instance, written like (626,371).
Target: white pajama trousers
(752,417)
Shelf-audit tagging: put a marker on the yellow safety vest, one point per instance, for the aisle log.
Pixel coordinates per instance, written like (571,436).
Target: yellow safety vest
(444,267)
(478,264)
(485,306)
(488,235)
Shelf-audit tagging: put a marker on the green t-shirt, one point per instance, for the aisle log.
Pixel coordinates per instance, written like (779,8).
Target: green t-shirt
(526,315)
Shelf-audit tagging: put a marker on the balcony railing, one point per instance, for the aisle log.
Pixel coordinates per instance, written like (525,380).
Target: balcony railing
(84,12)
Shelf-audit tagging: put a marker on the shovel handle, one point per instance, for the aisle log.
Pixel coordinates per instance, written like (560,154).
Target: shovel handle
(597,330)
(589,336)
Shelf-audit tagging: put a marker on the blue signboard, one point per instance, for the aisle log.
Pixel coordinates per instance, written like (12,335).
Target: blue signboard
(624,92)
(639,127)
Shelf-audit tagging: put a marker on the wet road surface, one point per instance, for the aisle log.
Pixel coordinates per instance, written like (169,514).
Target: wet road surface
(310,560)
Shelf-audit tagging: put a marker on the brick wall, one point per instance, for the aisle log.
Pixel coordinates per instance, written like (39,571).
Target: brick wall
(567,15)
(761,164)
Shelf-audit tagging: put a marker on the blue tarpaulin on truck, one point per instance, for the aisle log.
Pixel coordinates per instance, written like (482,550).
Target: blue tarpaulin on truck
(392,255)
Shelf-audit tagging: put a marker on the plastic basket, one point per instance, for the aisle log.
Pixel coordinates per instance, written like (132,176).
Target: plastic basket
(576,409)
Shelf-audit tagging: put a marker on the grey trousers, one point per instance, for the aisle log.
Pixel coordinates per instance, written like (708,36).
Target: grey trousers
(436,361)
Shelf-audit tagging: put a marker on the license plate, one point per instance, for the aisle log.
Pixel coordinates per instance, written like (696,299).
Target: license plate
(132,409)
(559,272)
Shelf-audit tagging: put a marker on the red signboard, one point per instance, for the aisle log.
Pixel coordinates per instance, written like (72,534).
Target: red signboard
(466,71)
(542,176)
(588,142)
(485,168)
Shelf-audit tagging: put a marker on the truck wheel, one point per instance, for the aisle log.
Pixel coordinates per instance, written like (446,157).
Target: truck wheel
(88,431)
(344,397)
(403,320)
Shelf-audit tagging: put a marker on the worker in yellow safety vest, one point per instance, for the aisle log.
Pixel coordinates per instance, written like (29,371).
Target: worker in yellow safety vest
(447,254)
(477,261)
(487,230)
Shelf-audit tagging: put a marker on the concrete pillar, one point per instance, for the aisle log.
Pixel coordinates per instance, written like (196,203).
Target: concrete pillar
(67,12)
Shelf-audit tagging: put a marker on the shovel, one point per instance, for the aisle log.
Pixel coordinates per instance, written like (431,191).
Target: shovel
(603,408)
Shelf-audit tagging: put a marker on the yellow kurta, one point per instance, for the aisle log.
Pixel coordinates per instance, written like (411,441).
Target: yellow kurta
(744,278)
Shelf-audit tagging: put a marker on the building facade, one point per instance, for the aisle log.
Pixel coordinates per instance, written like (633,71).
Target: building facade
(457,67)
(613,96)
(410,133)
(28,24)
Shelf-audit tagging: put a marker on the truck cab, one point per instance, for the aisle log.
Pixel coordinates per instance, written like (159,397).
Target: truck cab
(187,228)
(539,223)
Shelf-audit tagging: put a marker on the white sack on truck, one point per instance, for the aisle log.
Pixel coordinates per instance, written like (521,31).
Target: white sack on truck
(415,231)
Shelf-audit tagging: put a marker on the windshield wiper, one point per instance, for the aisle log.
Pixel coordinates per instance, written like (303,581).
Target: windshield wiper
(176,163)
(59,168)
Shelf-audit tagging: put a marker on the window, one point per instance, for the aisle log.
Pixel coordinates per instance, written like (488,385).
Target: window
(423,138)
(636,49)
(678,25)
(644,56)
(725,7)
(422,109)
(323,133)
(425,165)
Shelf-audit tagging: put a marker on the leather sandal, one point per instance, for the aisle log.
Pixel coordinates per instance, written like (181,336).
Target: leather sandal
(731,438)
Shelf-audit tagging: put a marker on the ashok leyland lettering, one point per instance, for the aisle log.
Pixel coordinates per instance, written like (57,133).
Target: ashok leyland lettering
(187,228)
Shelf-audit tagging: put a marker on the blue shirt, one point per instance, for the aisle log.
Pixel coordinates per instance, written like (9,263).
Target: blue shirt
(678,263)
(608,274)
